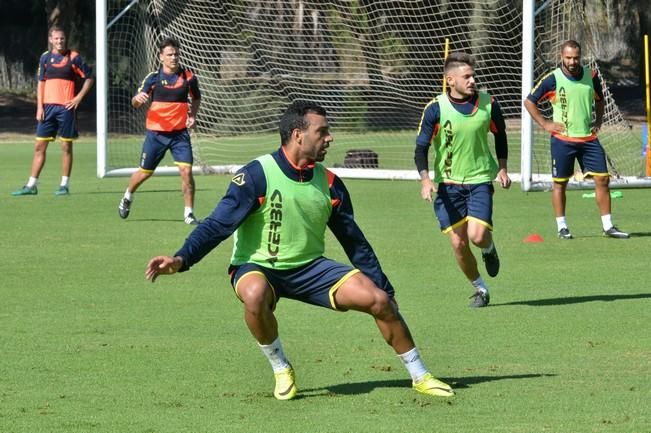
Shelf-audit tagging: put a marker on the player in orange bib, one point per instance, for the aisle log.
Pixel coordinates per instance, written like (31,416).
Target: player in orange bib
(168,119)
(58,72)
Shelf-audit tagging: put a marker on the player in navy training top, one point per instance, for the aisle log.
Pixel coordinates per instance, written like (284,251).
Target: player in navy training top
(279,206)
(168,120)
(59,70)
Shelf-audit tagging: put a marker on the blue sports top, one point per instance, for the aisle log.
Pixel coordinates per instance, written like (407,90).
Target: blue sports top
(245,194)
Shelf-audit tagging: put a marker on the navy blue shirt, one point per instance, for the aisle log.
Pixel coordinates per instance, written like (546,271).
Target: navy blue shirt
(245,194)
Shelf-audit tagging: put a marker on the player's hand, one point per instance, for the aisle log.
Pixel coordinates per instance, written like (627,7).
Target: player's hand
(191,122)
(554,127)
(40,114)
(141,98)
(504,179)
(596,128)
(73,103)
(162,265)
(427,189)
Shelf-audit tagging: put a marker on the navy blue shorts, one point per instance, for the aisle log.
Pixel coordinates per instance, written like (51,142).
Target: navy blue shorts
(314,283)
(456,204)
(590,154)
(57,120)
(157,143)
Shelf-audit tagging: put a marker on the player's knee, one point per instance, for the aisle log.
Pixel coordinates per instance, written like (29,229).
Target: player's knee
(40,147)
(381,307)
(66,147)
(459,243)
(601,181)
(479,237)
(142,175)
(256,296)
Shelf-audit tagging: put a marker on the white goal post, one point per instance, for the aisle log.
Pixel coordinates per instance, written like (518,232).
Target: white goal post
(374,65)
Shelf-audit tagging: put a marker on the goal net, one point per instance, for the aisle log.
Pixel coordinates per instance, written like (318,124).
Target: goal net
(373,64)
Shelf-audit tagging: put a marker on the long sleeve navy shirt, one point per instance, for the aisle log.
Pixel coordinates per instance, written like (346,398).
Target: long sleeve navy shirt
(244,196)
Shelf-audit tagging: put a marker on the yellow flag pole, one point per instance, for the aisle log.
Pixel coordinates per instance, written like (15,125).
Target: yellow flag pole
(445,56)
(648,106)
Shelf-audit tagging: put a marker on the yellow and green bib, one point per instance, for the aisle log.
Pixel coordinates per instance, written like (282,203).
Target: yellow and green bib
(288,229)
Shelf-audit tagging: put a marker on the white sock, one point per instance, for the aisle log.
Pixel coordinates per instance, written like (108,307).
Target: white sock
(480,285)
(606,221)
(128,195)
(414,364)
(32,181)
(187,211)
(489,248)
(560,223)
(65,180)
(275,355)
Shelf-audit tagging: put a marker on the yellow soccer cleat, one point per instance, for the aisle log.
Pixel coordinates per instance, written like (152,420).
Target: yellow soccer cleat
(432,386)
(285,384)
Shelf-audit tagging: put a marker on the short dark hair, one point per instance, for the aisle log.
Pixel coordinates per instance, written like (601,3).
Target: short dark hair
(168,42)
(55,29)
(456,59)
(294,118)
(571,44)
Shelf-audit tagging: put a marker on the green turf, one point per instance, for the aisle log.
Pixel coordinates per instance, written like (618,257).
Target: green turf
(89,346)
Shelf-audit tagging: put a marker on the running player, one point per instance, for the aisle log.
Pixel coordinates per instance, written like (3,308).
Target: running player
(167,125)
(457,124)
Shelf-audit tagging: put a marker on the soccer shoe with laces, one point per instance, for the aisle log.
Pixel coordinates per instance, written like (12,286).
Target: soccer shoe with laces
(191,220)
(564,233)
(26,190)
(492,262)
(480,299)
(430,385)
(285,384)
(616,233)
(124,208)
(63,190)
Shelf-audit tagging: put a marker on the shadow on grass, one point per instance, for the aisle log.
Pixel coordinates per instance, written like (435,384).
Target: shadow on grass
(574,300)
(367,387)
(121,192)
(155,220)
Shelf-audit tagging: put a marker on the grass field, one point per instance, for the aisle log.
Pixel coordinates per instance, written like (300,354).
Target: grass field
(89,346)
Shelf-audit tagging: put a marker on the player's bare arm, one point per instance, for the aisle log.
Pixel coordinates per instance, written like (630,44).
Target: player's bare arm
(600,106)
(162,265)
(40,111)
(192,115)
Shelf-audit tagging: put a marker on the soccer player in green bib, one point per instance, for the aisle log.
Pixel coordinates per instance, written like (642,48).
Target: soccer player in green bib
(456,125)
(573,90)
(278,206)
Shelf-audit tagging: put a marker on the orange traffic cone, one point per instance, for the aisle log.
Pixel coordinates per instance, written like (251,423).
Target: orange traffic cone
(533,238)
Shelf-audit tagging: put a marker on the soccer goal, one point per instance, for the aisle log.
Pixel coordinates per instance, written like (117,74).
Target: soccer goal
(374,65)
